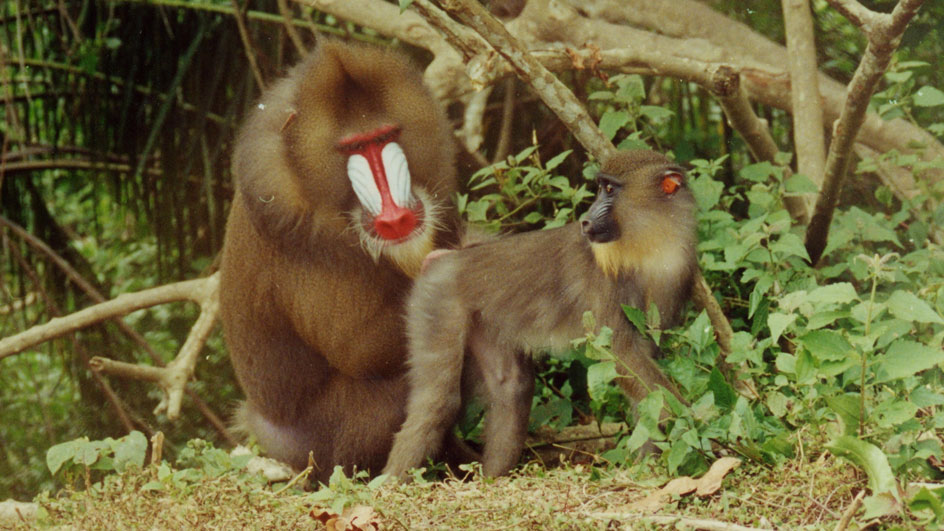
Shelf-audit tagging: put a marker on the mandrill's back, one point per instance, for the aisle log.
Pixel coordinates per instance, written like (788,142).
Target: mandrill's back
(540,280)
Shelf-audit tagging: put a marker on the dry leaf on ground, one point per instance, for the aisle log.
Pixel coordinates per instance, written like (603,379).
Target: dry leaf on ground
(359,518)
(703,486)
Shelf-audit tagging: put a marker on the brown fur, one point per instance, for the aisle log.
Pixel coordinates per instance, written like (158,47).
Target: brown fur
(311,304)
(528,293)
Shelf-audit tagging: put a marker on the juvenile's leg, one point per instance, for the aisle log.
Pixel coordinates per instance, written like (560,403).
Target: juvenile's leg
(509,387)
(436,329)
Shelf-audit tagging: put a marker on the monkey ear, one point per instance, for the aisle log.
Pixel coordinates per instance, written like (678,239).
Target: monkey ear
(671,182)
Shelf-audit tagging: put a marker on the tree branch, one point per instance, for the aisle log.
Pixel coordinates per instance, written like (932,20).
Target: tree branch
(808,131)
(550,89)
(884,33)
(563,103)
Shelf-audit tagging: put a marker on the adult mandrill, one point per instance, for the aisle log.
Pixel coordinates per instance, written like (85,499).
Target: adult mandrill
(343,176)
(500,301)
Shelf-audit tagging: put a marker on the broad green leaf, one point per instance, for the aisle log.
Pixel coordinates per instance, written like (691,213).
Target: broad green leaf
(839,293)
(790,245)
(655,113)
(905,358)
(827,345)
(404,4)
(57,455)
(848,408)
(637,317)
(701,332)
(869,458)
(613,121)
(778,322)
(893,412)
(927,500)
(725,395)
(599,377)
(905,305)
(757,172)
(130,450)
(800,184)
(928,96)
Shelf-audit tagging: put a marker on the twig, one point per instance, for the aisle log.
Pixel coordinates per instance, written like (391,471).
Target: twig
(247,45)
(884,34)
(286,13)
(508,115)
(670,521)
(550,89)
(173,378)
(725,85)
(850,511)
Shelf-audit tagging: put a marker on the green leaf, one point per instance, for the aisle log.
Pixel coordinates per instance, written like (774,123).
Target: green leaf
(905,305)
(790,245)
(869,458)
(928,96)
(557,160)
(799,184)
(599,377)
(839,293)
(701,332)
(637,317)
(757,172)
(404,4)
(847,408)
(778,322)
(655,113)
(707,192)
(927,500)
(130,450)
(827,345)
(905,358)
(725,395)
(613,121)
(59,454)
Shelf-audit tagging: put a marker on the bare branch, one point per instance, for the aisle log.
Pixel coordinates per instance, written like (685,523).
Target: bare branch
(247,45)
(121,305)
(550,89)
(726,86)
(293,35)
(858,14)
(173,378)
(882,43)
(808,130)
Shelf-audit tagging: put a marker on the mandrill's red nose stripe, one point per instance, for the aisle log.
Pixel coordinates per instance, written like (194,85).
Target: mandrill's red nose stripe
(394,221)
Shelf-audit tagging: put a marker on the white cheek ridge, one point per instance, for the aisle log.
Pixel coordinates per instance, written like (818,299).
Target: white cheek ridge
(362,180)
(398,173)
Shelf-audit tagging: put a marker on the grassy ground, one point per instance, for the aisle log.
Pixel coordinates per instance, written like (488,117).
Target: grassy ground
(811,493)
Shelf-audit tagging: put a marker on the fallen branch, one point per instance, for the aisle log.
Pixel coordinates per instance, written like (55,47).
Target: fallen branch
(174,376)
(94,294)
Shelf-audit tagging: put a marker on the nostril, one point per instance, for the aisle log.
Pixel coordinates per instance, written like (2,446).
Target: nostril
(394,224)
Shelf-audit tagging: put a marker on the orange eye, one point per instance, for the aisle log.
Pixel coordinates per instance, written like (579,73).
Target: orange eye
(609,189)
(671,182)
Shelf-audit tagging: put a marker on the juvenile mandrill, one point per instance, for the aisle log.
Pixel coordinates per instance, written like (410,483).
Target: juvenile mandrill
(500,301)
(344,172)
